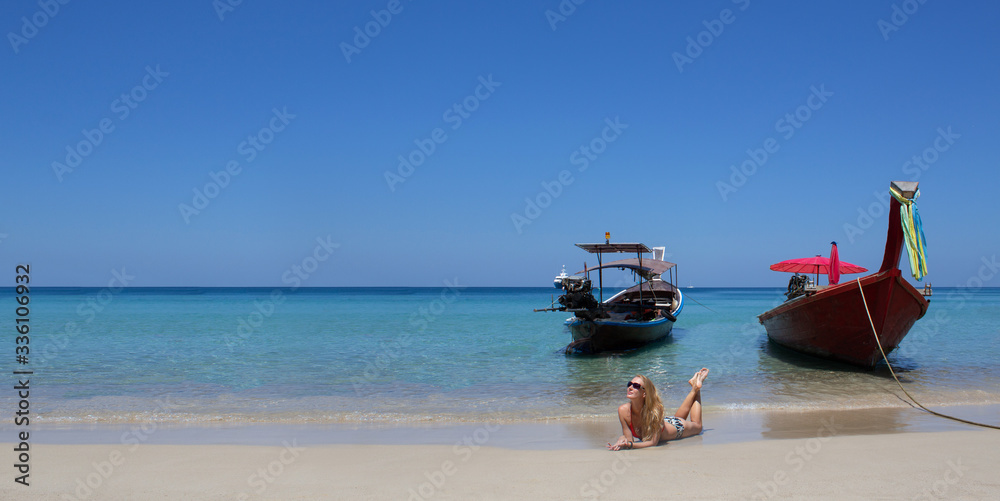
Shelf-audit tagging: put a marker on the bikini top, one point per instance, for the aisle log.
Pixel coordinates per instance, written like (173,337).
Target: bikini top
(633,431)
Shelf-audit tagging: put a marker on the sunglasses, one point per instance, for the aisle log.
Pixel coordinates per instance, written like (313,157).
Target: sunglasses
(633,384)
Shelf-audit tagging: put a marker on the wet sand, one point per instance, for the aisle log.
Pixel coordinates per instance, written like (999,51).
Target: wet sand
(721,427)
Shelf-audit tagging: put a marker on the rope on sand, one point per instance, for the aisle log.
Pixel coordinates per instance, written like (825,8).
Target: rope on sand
(897,379)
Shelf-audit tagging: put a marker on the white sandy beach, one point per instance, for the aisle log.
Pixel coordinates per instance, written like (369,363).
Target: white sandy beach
(935,465)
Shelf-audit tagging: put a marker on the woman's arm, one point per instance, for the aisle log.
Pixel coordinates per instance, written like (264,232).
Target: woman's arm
(626,441)
(626,435)
(624,412)
(644,444)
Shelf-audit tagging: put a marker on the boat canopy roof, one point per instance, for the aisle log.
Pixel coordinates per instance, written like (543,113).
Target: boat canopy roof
(650,267)
(655,285)
(622,247)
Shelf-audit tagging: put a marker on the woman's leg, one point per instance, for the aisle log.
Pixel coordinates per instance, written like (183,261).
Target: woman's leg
(690,410)
(694,396)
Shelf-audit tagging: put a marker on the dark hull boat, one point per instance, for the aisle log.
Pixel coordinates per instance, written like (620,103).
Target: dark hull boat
(629,322)
(634,317)
(833,323)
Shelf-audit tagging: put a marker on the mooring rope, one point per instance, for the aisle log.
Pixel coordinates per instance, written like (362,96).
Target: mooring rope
(699,302)
(872,323)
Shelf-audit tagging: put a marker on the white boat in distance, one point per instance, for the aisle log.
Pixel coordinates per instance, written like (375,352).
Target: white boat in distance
(559,278)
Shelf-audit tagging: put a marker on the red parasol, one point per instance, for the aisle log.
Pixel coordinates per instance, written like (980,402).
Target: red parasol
(817,265)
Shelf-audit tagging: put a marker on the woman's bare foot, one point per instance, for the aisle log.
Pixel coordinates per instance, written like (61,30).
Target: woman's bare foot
(698,378)
(694,381)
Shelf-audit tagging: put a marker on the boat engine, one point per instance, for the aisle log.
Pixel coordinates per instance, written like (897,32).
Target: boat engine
(797,285)
(578,294)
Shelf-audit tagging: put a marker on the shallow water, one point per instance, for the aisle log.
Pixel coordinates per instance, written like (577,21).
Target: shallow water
(408,355)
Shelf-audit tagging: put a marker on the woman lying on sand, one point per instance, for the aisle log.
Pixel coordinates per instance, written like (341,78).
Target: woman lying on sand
(643,424)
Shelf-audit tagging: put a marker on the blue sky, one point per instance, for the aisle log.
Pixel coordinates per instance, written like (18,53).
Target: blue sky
(626,117)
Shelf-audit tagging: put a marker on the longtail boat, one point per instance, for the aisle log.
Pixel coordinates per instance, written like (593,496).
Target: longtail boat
(636,316)
(833,322)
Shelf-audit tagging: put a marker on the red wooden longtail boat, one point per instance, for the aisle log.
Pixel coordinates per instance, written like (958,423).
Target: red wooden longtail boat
(831,322)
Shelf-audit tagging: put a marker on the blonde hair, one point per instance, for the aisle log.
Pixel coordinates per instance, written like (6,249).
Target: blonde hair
(652,410)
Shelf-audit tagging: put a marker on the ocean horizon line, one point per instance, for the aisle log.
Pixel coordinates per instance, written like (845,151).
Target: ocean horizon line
(355,287)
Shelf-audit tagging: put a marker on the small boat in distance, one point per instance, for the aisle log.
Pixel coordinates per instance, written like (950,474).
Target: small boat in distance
(558,282)
(836,321)
(636,316)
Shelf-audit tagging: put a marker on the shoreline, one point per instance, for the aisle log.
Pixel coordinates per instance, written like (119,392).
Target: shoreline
(721,427)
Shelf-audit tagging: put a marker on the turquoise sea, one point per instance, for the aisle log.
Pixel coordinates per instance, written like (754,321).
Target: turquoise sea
(449,354)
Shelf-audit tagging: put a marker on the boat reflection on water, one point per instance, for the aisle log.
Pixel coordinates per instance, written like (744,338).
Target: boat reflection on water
(779,356)
(823,424)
